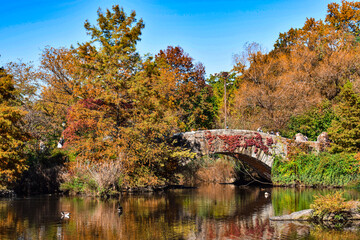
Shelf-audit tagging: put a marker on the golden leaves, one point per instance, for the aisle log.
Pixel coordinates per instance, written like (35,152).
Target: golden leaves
(12,137)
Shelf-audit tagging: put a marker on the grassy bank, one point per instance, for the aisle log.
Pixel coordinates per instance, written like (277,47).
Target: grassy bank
(320,170)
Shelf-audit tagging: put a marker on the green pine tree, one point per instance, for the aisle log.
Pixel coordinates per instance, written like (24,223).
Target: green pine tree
(345,130)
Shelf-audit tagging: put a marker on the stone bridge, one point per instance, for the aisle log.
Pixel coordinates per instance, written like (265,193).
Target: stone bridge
(254,149)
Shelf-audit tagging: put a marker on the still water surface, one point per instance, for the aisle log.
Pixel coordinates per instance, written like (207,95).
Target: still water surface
(207,212)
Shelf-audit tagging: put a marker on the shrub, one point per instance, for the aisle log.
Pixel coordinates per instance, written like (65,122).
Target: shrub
(331,207)
(311,123)
(74,185)
(322,169)
(218,171)
(93,178)
(44,172)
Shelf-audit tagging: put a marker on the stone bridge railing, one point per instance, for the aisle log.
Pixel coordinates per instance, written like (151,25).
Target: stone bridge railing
(255,149)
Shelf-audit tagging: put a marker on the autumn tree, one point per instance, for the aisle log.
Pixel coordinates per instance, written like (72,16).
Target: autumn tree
(26,81)
(186,88)
(154,159)
(271,89)
(345,17)
(39,96)
(308,65)
(12,137)
(120,111)
(45,94)
(110,60)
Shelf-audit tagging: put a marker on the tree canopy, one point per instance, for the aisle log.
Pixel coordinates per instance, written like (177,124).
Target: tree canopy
(113,113)
(12,137)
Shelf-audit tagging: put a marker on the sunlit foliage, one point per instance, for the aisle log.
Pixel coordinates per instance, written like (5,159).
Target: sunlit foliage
(117,110)
(324,169)
(345,130)
(186,88)
(127,108)
(12,137)
(307,66)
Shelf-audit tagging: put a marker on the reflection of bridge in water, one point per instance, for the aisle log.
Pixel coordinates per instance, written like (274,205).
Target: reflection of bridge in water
(258,226)
(255,149)
(247,218)
(212,211)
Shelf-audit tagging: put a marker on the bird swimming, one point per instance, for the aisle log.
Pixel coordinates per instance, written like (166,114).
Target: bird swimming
(65,215)
(120,209)
(266,194)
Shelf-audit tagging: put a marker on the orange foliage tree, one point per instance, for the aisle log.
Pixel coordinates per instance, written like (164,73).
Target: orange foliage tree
(12,137)
(118,110)
(186,88)
(307,66)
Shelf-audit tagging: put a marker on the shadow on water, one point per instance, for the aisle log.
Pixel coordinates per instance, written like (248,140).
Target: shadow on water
(208,212)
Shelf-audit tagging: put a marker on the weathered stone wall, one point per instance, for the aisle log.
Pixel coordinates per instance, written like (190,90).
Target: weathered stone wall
(253,148)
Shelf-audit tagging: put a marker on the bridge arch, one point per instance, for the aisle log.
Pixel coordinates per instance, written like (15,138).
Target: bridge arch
(254,149)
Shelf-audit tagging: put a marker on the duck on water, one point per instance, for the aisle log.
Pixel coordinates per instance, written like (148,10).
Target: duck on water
(65,215)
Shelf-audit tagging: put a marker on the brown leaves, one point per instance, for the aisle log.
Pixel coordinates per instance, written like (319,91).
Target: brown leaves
(307,65)
(274,88)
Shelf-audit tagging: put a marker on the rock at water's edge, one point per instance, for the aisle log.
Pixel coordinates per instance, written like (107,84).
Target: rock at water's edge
(7,194)
(303,215)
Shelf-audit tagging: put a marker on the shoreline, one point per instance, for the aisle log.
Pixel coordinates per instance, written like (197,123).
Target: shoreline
(154,189)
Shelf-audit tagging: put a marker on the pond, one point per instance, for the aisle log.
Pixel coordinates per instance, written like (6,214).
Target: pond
(208,212)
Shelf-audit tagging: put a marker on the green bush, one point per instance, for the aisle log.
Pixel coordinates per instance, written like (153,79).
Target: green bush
(322,169)
(311,123)
(75,185)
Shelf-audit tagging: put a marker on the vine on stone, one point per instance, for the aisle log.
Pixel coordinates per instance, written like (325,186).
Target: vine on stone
(232,142)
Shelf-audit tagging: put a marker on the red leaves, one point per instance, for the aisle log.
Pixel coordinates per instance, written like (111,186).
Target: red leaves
(269,141)
(209,137)
(82,119)
(233,142)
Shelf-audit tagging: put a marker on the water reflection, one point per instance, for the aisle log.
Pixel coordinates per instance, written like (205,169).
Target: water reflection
(288,200)
(208,212)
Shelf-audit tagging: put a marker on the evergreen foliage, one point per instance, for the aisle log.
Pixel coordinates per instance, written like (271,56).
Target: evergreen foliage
(311,123)
(217,83)
(345,130)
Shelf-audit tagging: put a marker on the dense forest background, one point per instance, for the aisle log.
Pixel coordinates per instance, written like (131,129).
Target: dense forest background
(99,117)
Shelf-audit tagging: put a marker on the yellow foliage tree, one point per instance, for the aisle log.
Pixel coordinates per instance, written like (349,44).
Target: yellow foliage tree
(12,138)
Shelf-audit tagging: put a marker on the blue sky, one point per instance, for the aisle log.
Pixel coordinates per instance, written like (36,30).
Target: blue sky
(210,31)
